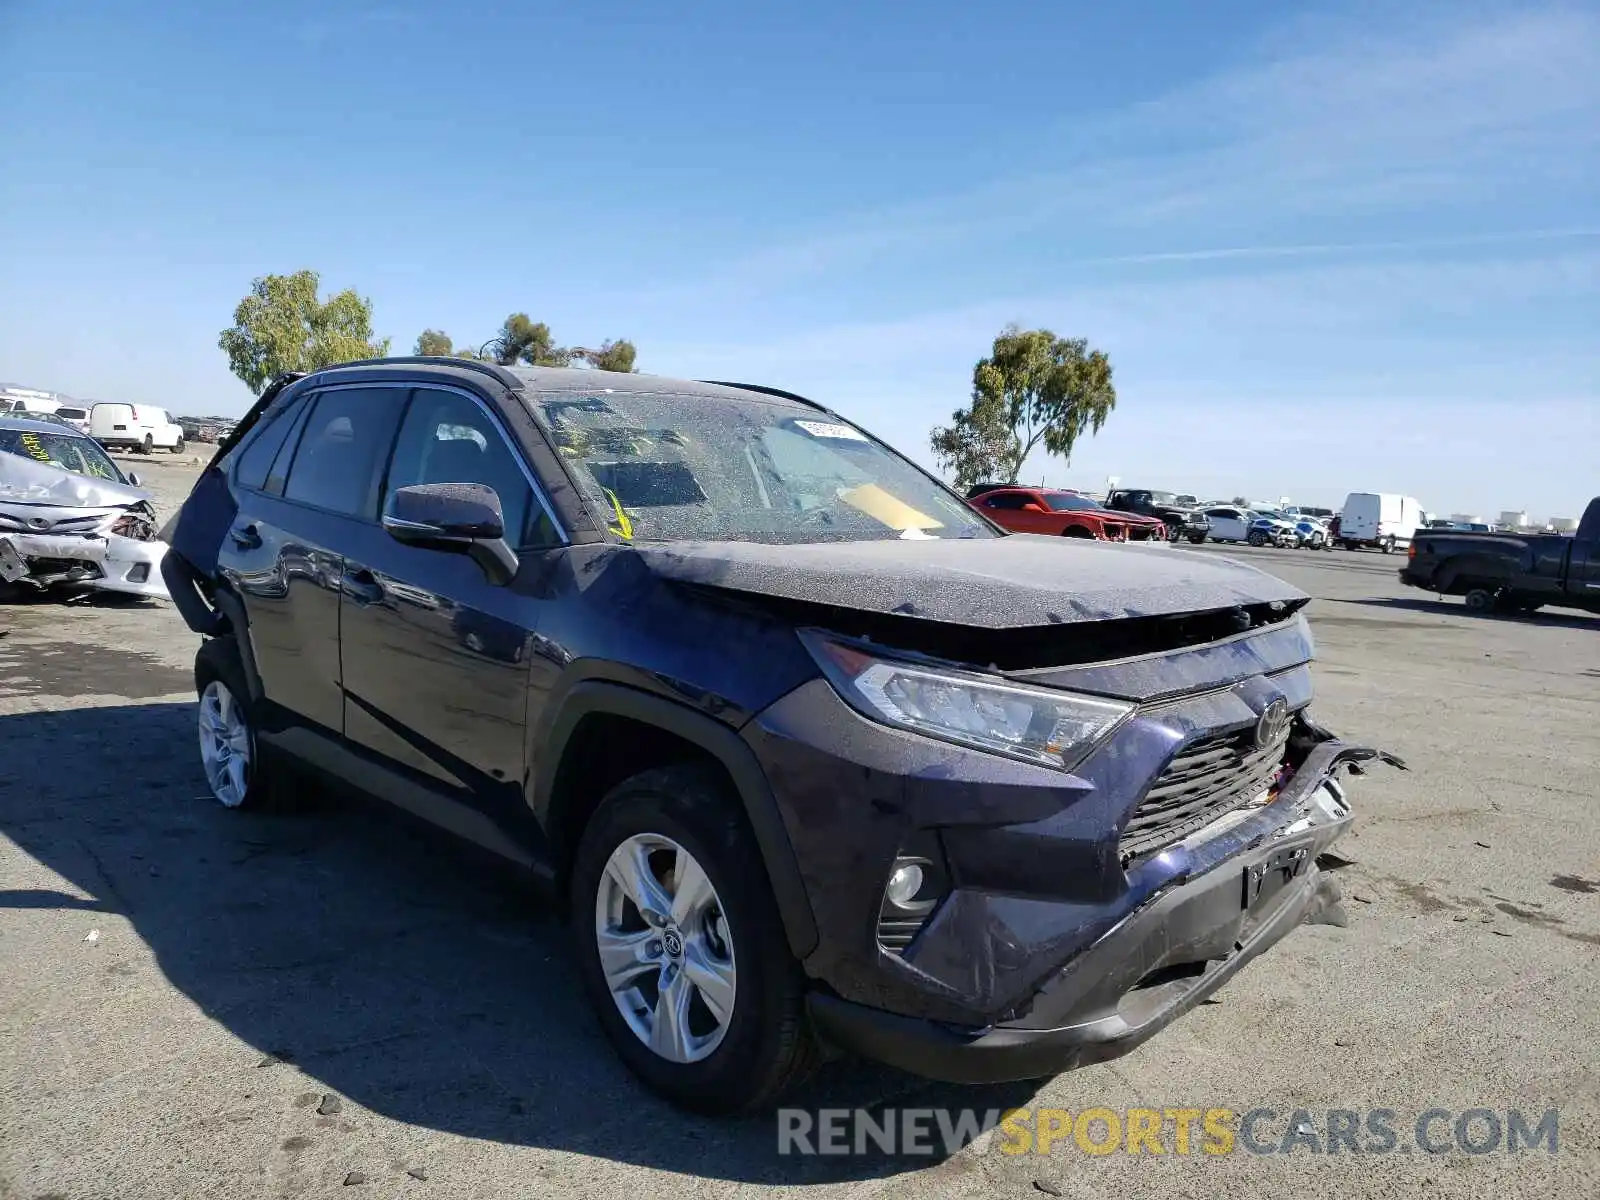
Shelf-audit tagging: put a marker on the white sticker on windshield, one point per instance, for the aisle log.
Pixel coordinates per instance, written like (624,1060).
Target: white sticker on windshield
(827,429)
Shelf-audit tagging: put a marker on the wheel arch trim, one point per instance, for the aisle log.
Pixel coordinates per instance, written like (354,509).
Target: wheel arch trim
(592,697)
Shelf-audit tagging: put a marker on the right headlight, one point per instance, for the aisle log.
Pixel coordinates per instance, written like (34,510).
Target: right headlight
(1037,725)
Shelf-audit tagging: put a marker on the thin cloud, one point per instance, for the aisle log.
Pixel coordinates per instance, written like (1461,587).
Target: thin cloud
(1448,120)
(1323,249)
(342,25)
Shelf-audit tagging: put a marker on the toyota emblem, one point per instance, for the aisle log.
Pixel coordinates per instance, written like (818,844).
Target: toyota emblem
(1273,725)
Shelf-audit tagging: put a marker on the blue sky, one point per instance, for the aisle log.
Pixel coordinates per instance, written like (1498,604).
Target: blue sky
(1329,247)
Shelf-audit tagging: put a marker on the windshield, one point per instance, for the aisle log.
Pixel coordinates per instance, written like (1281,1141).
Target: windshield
(1061,503)
(664,467)
(1163,498)
(76,454)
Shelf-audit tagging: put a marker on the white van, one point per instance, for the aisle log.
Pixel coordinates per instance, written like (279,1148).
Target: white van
(1379,519)
(134,427)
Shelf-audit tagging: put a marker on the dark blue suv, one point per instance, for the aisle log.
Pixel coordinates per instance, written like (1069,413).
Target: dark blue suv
(815,754)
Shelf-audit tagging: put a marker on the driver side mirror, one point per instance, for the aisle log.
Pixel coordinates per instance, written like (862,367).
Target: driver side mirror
(133,479)
(1030,506)
(461,518)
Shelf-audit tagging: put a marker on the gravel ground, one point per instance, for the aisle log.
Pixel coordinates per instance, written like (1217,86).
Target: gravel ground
(197,1003)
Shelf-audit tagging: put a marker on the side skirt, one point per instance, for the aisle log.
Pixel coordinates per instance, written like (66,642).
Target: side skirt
(336,758)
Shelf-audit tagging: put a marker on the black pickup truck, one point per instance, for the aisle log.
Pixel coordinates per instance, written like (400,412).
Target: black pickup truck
(1510,572)
(1182,520)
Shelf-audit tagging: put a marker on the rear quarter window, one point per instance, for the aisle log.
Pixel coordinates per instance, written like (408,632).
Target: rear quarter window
(263,447)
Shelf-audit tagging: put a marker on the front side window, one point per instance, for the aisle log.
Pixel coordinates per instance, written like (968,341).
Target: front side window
(664,466)
(342,443)
(448,438)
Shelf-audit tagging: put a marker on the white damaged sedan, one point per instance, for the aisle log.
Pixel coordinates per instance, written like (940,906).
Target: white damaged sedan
(69,516)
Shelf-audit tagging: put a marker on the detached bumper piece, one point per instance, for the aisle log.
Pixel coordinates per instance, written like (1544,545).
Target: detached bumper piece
(1254,877)
(109,562)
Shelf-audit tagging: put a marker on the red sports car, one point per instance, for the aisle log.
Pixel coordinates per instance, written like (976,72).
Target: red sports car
(1063,513)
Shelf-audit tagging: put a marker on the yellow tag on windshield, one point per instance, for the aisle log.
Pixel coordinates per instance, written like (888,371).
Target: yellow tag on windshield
(881,506)
(623,527)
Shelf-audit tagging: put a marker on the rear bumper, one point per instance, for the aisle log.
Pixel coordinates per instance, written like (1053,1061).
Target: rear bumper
(1138,978)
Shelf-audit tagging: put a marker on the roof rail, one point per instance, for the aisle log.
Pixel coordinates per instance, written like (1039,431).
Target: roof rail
(500,374)
(769,391)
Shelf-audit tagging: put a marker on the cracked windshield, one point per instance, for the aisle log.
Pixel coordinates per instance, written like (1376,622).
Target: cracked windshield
(667,467)
(69,452)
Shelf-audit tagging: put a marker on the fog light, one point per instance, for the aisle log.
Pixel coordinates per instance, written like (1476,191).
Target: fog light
(904,884)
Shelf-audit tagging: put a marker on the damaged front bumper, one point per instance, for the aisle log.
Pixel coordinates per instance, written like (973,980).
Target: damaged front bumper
(102,561)
(1215,901)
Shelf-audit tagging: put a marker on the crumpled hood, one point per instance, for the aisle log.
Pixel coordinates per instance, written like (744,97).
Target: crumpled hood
(999,583)
(24,481)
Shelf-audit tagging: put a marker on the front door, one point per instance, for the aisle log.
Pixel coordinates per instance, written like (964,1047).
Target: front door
(435,658)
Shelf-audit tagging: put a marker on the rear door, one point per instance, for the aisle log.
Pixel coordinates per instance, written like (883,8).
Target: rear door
(436,659)
(306,483)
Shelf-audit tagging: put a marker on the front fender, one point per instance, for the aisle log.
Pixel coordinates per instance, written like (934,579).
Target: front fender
(588,697)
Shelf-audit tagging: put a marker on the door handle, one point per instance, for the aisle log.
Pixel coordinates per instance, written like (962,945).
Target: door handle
(362,586)
(246,538)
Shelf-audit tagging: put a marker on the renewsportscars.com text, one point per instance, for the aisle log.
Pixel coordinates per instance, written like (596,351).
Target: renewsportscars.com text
(1168,1131)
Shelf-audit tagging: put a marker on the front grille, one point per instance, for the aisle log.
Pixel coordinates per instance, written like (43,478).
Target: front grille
(1207,779)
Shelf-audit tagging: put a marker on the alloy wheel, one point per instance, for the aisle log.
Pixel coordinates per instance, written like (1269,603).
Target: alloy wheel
(225,744)
(665,948)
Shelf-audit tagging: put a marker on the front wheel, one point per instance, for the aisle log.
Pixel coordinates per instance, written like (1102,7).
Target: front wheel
(1388,545)
(1197,538)
(1257,539)
(681,948)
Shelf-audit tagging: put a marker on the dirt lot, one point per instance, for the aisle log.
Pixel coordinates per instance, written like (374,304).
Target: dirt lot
(201,1003)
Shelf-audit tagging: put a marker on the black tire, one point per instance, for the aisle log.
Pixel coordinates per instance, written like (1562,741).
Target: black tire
(1479,599)
(1197,538)
(149,446)
(1076,531)
(1388,545)
(218,661)
(769,1047)
(1256,539)
(178,446)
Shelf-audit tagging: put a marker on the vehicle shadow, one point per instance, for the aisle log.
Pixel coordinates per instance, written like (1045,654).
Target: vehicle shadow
(381,959)
(1559,620)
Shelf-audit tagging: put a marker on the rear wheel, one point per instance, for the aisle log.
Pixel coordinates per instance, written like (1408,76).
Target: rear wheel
(228,751)
(178,446)
(681,948)
(1388,544)
(149,445)
(1479,599)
